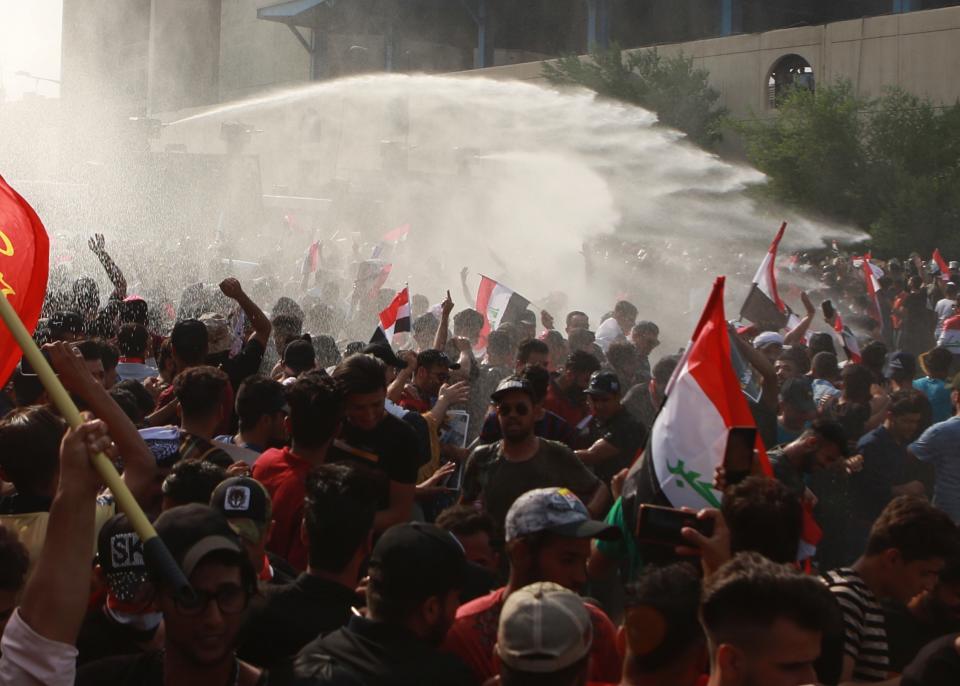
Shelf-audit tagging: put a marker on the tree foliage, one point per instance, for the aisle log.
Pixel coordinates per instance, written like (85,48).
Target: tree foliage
(889,165)
(669,86)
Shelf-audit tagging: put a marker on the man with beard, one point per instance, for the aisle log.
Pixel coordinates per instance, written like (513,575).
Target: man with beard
(499,473)
(416,573)
(764,623)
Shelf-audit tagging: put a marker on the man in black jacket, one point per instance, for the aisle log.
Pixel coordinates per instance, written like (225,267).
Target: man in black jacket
(416,572)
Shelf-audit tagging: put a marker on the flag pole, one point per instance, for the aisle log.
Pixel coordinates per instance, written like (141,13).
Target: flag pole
(155,553)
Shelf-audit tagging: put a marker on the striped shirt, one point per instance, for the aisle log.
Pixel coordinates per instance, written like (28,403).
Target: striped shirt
(865,633)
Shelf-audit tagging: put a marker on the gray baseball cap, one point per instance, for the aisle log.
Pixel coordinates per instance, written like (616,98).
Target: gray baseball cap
(557,510)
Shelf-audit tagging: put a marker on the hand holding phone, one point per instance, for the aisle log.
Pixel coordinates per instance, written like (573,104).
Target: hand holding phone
(664,525)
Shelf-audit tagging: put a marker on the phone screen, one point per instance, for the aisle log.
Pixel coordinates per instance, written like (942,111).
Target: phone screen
(662,525)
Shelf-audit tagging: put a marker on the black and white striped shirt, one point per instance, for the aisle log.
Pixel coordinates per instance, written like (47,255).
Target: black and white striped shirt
(865,633)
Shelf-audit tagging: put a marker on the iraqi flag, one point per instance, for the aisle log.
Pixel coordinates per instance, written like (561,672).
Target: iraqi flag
(384,248)
(497,304)
(763,305)
(689,436)
(394,319)
(941,264)
(847,340)
(311,259)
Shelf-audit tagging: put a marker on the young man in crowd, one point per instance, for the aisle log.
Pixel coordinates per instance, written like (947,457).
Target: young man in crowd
(825,374)
(565,394)
(376,439)
(416,572)
(888,470)
(617,437)
(316,411)
(822,446)
(907,549)
(643,401)
(246,504)
(200,633)
(764,623)
(432,371)
(797,409)
(645,337)
(247,361)
(475,531)
(126,621)
(544,637)
(133,340)
(533,352)
(201,393)
(661,632)
(940,446)
(497,474)
(337,527)
(547,425)
(191,481)
(616,327)
(261,409)
(935,385)
(548,533)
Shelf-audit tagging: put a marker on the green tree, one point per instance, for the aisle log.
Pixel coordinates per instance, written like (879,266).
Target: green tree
(669,86)
(889,165)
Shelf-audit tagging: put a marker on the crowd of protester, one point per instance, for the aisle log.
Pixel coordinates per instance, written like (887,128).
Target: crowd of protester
(336,529)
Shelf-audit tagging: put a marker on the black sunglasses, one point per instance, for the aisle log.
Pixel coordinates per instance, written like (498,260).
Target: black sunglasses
(506,409)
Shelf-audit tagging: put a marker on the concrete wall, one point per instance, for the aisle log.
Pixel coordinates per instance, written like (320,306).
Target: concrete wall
(919,51)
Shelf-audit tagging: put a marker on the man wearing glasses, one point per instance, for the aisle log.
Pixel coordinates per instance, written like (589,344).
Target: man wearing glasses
(201,635)
(499,473)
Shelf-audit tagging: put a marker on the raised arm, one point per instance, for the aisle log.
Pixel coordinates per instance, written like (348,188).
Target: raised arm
(440,340)
(139,465)
(97,243)
(771,387)
(467,295)
(261,323)
(797,333)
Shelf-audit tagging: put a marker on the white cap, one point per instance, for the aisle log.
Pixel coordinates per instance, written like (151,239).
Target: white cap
(543,628)
(768,338)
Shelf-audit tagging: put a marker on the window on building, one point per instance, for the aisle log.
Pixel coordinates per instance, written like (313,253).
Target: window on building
(790,71)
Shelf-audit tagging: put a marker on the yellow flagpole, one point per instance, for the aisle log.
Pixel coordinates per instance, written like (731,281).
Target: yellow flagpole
(157,556)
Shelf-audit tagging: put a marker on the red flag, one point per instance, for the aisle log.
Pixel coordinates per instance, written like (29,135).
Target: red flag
(311,260)
(873,285)
(396,235)
(24,261)
(763,304)
(394,319)
(849,342)
(942,263)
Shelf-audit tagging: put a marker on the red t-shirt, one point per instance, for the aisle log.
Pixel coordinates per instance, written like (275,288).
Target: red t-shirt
(284,475)
(561,404)
(474,634)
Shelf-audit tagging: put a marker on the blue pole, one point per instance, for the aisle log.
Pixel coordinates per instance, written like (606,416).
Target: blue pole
(591,24)
(726,17)
(481,34)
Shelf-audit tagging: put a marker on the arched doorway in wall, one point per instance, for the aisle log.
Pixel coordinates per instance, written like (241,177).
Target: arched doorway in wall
(790,71)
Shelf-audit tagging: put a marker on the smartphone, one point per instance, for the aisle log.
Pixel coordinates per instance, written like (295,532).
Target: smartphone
(738,457)
(828,312)
(662,525)
(26,369)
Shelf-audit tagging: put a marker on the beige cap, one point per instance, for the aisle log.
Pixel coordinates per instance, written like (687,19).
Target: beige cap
(543,628)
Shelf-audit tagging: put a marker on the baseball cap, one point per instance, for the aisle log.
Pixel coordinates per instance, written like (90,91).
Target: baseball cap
(603,383)
(527,317)
(798,392)
(246,505)
(900,361)
(191,532)
(219,335)
(65,321)
(543,628)
(766,338)
(557,510)
(384,353)
(430,357)
(164,443)
(512,383)
(418,560)
(120,556)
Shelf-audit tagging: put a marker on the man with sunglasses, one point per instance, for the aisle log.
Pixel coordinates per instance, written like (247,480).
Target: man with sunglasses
(432,371)
(499,473)
(200,634)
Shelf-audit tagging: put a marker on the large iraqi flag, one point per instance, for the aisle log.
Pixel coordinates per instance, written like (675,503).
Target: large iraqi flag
(689,436)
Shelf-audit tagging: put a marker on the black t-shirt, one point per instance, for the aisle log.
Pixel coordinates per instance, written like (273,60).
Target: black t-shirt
(286,618)
(498,482)
(627,435)
(102,637)
(376,654)
(390,448)
(243,364)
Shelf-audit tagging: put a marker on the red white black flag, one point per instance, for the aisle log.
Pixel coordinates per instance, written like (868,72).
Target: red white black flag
(395,318)
(763,305)
(497,303)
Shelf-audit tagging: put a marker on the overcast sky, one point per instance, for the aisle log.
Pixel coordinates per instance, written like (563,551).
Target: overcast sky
(29,41)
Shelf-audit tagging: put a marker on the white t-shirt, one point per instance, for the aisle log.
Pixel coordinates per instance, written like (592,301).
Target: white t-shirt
(29,658)
(945,309)
(608,332)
